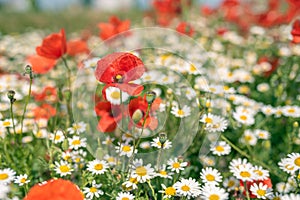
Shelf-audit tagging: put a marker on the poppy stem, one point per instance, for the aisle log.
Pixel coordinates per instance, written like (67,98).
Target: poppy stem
(26,103)
(12,117)
(246,189)
(69,96)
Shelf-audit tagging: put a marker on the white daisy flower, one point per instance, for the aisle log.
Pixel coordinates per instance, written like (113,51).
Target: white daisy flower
(189,188)
(22,180)
(92,62)
(113,95)
(181,113)
(249,138)
(286,165)
(291,111)
(57,137)
(175,165)
(67,156)
(76,142)
(284,187)
(7,175)
(210,176)
(156,143)
(108,140)
(262,134)
(41,133)
(5,189)
(79,127)
(168,192)
(190,93)
(125,196)
(97,166)
(209,192)
(231,183)
(236,163)
(267,110)
(63,168)
(294,160)
(244,173)
(261,191)
(7,123)
(112,161)
(261,174)
(214,123)
(244,118)
(142,172)
(207,161)
(220,148)
(93,191)
(163,173)
(131,184)
(145,145)
(291,197)
(125,150)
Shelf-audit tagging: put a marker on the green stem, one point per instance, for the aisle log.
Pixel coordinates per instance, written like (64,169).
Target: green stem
(12,117)
(158,158)
(69,99)
(152,190)
(26,103)
(246,189)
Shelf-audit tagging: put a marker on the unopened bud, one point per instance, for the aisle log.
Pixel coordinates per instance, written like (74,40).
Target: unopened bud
(295,124)
(137,116)
(11,95)
(162,138)
(65,145)
(150,97)
(28,69)
(67,95)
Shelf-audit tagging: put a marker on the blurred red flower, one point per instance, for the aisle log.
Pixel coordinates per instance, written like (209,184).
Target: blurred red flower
(75,47)
(109,114)
(41,65)
(55,189)
(113,27)
(140,103)
(185,28)
(296,31)
(166,10)
(48,94)
(45,111)
(267,182)
(53,46)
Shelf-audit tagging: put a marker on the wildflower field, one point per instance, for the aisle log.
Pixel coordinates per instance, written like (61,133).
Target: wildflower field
(188,102)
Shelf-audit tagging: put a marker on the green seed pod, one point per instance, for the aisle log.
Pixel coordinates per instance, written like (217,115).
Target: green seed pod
(150,97)
(162,138)
(137,116)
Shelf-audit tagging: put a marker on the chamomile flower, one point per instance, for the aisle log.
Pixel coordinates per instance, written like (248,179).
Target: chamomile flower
(131,184)
(112,161)
(210,192)
(176,165)
(7,175)
(76,142)
(79,127)
(57,137)
(244,173)
(214,123)
(261,191)
(291,197)
(113,95)
(244,118)
(163,173)
(93,191)
(249,138)
(63,168)
(156,143)
(236,163)
(142,172)
(125,196)
(231,183)
(294,160)
(7,123)
(41,133)
(5,189)
(267,110)
(207,161)
(284,187)
(108,140)
(286,165)
(168,192)
(22,180)
(260,173)
(125,150)
(189,188)
(210,176)
(97,166)
(262,134)
(181,112)
(291,111)
(92,62)
(67,156)
(220,148)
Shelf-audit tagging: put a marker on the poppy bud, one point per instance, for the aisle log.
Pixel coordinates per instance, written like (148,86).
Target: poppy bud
(11,95)
(65,145)
(28,70)
(150,97)
(137,115)
(162,138)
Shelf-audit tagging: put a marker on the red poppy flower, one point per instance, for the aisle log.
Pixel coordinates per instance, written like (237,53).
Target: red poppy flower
(109,114)
(54,46)
(185,28)
(75,47)
(45,111)
(166,10)
(207,10)
(113,27)
(295,3)
(48,94)
(41,65)
(55,189)
(267,182)
(141,104)
(296,31)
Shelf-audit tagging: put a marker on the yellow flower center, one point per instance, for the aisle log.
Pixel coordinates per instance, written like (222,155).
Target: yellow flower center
(125,198)
(141,171)
(170,191)
(185,188)
(98,166)
(289,167)
(261,135)
(192,68)
(208,120)
(291,110)
(76,126)
(258,172)
(210,177)
(57,137)
(76,142)
(297,161)
(115,95)
(231,183)
(162,172)
(261,192)
(23,180)
(180,112)
(111,159)
(93,189)
(3,176)
(243,117)
(248,138)
(133,180)
(176,165)
(64,168)
(219,148)
(158,143)
(245,174)
(214,197)
(6,123)
(126,148)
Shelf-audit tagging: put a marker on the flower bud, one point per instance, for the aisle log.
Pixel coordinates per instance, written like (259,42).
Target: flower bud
(295,124)
(11,95)
(137,116)
(65,145)
(67,95)
(150,97)
(28,69)
(162,138)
